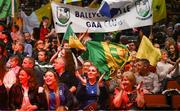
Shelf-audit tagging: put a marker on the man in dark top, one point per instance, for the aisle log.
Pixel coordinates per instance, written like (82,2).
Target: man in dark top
(28,62)
(65,76)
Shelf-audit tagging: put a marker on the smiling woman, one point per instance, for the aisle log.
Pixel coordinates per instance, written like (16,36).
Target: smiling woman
(92,91)
(55,95)
(23,94)
(126,96)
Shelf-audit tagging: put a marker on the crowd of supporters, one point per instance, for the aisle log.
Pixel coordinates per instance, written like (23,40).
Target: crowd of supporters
(39,73)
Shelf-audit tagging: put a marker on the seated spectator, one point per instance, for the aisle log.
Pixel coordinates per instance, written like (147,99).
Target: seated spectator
(127,96)
(23,95)
(42,63)
(66,73)
(29,62)
(92,90)
(3,91)
(55,94)
(150,80)
(163,67)
(10,76)
(173,54)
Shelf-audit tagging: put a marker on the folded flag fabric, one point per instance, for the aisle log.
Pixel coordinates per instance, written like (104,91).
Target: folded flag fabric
(109,8)
(107,57)
(69,1)
(5,8)
(148,51)
(159,10)
(35,18)
(70,36)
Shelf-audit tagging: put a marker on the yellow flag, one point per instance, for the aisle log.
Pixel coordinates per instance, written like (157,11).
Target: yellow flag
(148,51)
(75,43)
(159,10)
(70,36)
(44,11)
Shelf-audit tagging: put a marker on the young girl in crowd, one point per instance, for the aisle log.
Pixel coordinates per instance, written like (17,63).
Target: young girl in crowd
(10,76)
(127,96)
(23,95)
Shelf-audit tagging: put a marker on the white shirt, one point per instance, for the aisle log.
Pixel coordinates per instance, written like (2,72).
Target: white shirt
(162,69)
(9,79)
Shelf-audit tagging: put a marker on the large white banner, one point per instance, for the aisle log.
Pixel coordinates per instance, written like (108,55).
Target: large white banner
(135,14)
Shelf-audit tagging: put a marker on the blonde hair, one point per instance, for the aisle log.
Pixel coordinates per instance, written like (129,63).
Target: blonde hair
(130,76)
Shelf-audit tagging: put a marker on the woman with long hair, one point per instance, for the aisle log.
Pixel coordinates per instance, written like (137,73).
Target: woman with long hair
(23,95)
(55,94)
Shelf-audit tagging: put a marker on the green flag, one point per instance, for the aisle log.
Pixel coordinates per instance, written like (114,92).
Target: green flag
(107,57)
(5,7)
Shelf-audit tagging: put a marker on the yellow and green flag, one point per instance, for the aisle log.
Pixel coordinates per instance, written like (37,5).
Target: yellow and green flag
(70,36)
(69,1)
(148,51)
(159,10)
(106,57)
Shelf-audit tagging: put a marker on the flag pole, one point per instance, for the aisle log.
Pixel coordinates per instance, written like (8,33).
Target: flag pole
(12,12)
(92,3)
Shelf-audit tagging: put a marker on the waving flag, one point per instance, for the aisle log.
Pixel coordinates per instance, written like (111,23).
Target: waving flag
(148,51)
(72,39)
(106,57)
(109,8)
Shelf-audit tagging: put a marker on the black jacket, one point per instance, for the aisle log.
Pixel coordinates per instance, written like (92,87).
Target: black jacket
(16,96)
(3,98)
